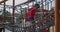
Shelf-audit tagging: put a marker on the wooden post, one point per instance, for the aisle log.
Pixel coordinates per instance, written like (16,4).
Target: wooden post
(13,15)
(57,16)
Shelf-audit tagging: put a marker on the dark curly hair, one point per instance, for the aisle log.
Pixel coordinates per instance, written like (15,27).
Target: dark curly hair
(37,5)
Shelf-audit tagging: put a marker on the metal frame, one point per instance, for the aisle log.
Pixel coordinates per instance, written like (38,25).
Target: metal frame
(13,11)
(3,1)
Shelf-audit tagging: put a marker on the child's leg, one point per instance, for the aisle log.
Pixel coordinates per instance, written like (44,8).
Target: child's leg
(32,28)
(31,20)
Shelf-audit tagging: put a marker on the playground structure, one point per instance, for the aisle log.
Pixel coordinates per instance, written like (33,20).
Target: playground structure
(44,17)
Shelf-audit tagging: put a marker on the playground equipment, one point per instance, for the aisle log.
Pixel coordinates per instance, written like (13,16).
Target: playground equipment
(44,17)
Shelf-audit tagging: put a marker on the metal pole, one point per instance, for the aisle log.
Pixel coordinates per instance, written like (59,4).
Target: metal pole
(13,12)
(45,4)
(4,16)
(4,12)
(13,15)
(57,16)
(42,4)
(51,4)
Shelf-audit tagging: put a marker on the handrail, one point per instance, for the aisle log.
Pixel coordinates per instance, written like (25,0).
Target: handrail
(24,2)
(3,1)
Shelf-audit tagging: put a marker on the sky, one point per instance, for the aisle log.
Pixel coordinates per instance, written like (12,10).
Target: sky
(9,2)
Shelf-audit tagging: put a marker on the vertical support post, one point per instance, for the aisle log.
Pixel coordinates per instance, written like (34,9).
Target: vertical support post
(21,8)
(13,12)
(4,16)
(4,12)
(13,15)
(42,4)
(51,4)
(57,16)
(47,5)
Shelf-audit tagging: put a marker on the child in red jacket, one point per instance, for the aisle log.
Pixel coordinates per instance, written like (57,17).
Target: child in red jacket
(32,12)
(31,15)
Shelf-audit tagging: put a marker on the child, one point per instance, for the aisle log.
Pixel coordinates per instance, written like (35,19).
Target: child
(32,12)
(31,16)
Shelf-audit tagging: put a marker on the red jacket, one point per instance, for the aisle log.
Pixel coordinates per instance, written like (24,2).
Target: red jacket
(32,12)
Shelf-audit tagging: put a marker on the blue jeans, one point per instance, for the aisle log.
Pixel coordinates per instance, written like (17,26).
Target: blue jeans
(31,20)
